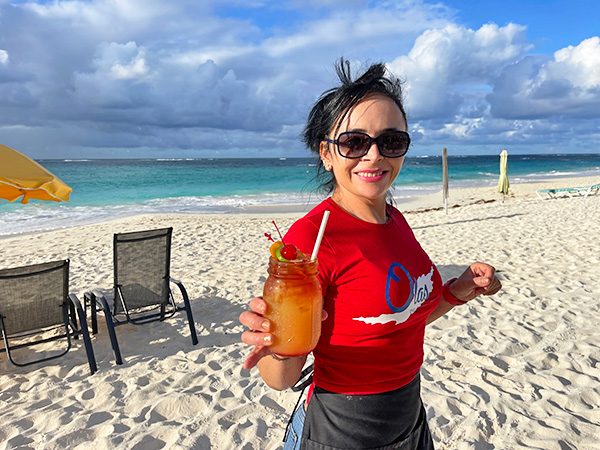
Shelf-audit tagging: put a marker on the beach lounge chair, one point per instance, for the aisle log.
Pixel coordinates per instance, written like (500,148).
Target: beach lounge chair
(34,300)
(142,292)
(592,189)
(572,192)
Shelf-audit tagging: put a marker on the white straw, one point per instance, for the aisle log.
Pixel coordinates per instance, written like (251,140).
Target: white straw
(320,235)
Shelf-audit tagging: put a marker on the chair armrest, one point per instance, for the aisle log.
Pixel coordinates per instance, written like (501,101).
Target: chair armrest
(188,309)
(83,330)
(73,298)
(80,311)
(74,310)
(181,289)
(92,296)
(96,300)
(98,294)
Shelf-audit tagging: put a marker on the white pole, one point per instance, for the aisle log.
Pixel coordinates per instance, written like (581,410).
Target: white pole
(445,173)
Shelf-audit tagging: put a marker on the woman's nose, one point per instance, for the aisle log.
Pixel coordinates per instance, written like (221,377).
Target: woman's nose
(373,153)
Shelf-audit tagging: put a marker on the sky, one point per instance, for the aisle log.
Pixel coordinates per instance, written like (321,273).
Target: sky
(237,78)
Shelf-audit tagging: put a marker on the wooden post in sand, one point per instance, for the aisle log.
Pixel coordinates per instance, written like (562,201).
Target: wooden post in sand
(445,169)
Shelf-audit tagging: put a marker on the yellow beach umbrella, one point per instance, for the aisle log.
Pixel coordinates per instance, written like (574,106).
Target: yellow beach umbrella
(503,183)
(21,176)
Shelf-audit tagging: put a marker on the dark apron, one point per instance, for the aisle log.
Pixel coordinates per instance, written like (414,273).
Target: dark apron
(393,420)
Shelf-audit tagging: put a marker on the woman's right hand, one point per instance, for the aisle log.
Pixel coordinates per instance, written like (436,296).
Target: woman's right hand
(258,334)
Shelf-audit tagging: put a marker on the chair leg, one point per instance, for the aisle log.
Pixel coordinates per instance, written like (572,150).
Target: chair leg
(111,331)
(188,311)
(5,338)
(90,299)
(94,308)
(75,303)
(73,316)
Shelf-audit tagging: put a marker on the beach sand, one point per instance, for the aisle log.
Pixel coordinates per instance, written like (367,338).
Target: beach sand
(517,370)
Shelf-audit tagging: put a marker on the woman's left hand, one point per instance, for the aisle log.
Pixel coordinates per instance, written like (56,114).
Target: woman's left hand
(479,279)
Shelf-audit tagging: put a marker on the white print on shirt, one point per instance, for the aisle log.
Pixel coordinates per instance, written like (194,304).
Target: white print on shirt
(420,288)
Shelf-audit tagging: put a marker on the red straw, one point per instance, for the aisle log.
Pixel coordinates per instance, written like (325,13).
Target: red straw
(279,232)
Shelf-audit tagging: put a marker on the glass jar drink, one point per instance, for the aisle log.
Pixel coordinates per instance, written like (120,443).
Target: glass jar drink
(295,300)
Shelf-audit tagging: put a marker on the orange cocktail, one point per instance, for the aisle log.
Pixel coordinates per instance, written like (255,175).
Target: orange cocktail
(295,300)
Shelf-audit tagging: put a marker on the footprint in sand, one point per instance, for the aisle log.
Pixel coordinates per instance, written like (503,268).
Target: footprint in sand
(88,395)
(98,418)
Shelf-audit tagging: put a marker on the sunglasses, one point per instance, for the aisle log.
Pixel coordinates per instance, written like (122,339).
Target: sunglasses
(354,144)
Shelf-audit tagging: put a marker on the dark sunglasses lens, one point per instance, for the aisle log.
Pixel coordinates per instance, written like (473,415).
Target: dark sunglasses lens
(353,145)
(393,144)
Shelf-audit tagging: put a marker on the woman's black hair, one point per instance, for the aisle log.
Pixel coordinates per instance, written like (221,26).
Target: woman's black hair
(334,104)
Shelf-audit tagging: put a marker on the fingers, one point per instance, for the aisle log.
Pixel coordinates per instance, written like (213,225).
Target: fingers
(258,338)
(494,286)
(258,305)
(479,279)
(482,281)
(482,270)
(258,334)
(487,286)
(254,356)
(255,321)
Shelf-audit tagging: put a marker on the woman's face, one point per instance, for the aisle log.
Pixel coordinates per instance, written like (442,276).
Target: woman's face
(366,179)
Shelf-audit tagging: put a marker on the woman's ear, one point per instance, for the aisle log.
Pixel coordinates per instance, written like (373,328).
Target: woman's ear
(325,156)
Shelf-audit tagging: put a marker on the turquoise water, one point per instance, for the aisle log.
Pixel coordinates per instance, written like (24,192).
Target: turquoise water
(104,189)
(113,182)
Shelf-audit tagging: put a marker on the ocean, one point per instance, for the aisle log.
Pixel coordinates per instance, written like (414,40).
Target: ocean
(109,189)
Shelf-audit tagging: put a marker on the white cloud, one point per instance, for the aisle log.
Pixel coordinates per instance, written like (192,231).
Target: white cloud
(579,65)
(121,61)
(567,85)
(185,74)
(134,70)
(103,13)
(221,55)
(352,30)
(450,69)
(483,87)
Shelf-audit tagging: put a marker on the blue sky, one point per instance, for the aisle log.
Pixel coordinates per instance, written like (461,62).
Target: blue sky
(551,24)
(236,78)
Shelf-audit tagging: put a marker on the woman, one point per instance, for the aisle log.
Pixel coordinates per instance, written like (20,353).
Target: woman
(380,288)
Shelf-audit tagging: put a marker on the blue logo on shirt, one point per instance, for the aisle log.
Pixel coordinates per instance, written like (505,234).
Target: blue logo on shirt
(419,292)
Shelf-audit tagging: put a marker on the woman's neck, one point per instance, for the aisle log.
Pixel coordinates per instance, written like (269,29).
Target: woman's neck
(372,211)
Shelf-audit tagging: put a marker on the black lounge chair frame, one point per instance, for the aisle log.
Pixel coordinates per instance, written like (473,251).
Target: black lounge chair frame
(13,282)
(145,286)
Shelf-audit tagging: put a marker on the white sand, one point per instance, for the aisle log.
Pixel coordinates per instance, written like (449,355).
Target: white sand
(518,370)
